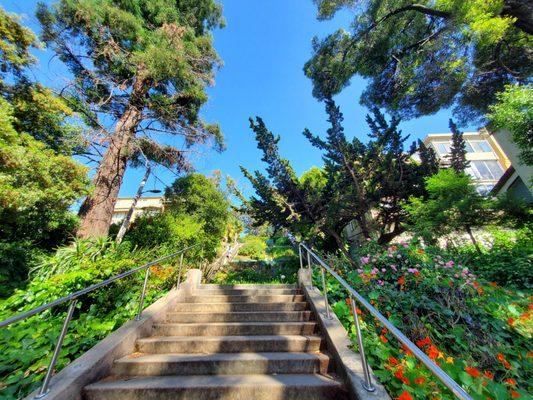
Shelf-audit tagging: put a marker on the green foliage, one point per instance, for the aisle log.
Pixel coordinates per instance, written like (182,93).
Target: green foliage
(514,111)
(196,213)
(253,247)
(357,181)
(277,271)
(28,345)
(160,56)
(478,333)
(508,261)
(37,188)
(453,204)
(420,57)
(457,156)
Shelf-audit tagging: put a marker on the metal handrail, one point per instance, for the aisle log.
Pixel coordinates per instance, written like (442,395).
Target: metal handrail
(455,388)
(73,298)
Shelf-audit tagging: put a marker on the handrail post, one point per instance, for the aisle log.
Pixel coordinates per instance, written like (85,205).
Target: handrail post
(44,388)
(325,289)
(309,265)
(300,254)
(179,271)
(143,293)
(367,384)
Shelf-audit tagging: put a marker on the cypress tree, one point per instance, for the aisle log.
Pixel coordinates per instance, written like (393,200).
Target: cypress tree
(457,156)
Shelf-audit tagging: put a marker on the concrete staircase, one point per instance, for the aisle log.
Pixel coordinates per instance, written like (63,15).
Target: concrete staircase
(233,342)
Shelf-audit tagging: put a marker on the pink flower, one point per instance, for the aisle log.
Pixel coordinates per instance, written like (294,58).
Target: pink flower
(412,270)
(365,260)
(380,282)
(374,271)
(360,271)
(393,266)
(383,270)
(449,264)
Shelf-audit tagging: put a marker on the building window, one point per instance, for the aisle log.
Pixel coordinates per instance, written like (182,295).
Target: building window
(443,147)
(485,170)
(478,146)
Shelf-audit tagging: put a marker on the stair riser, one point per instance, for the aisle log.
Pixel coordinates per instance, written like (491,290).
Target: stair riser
(246,292)
(196,347)
(228,393)
(237,367)
(245,299)
(282,316)
(228,330)
(229,307)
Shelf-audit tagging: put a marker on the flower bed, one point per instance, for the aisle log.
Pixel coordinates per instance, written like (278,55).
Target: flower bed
(478,332)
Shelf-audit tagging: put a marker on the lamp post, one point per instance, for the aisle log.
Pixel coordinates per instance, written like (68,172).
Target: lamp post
(127,218)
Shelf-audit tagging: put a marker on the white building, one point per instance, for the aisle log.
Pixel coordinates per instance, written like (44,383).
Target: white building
(144,205)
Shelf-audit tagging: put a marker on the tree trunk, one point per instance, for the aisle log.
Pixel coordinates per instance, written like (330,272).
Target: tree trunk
(473,239)
(340,244)
(96,211)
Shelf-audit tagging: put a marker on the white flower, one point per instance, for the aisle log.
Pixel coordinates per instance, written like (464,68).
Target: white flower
(282,276)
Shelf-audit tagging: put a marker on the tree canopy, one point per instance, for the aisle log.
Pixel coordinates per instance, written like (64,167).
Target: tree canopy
(424,56)
(362,182)
(140,68)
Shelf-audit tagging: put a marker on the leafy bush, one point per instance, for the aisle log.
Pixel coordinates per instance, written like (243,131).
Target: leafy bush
(479,333)
(509,261)
(259,272)
(253,247)
(28,345)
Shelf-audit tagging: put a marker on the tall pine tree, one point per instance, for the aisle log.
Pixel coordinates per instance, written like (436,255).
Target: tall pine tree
(457,156)
(140,68)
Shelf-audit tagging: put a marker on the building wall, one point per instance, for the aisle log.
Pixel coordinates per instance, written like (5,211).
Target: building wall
(144,205)
(525,172)
(488,160)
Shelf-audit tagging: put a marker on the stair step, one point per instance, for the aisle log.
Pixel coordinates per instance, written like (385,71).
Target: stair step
(229,307)
(229,344)
(223,387)
(243,316)
(221,364)
(235,328)
(249,286)
(245,299)
(246,292)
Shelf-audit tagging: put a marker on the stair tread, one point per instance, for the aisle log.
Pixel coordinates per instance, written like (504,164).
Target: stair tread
(232,337)
(214,381)
(243,323)
(185,357)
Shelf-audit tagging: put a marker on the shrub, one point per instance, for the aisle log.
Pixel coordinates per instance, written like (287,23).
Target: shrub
(28,345)
(509,261)
(253,247)
(479,333)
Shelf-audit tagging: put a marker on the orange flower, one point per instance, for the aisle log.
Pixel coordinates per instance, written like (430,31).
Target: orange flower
(393,361)
(510,381)
(383,338)
(433,352)
(401,280)
(420,251)
(472,372)
(531,306)
(420,380)
(405,396)
(423,342)
(406,350)
(399,374)
(489,375)
(500,357)
(515,394)
(493,284)
(506,364)
(510,321)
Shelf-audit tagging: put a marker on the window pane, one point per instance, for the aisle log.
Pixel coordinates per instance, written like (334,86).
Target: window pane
(485,146)
(495,168)
(473,173)
(484,172)
(468,147)
(443,147)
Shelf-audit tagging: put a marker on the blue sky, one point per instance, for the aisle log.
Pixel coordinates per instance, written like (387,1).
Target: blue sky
(264,47)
